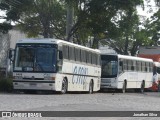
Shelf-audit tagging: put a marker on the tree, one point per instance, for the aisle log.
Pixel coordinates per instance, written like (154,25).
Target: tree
(92,19)
(38,17)
(4,27)
(98,16)
(157,2)
(152,26)
(126,36)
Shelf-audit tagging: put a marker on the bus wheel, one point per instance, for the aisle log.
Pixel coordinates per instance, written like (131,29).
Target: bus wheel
(64,86)
(124,87)
(142,87)
(90,87)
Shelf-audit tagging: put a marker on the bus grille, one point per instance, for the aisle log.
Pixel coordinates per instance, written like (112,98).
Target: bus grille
(106,81)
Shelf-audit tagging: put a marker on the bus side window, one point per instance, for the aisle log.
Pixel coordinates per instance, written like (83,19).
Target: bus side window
(65,52)
(71,53)
(89,57)
(137,65)
(146,66)
(99,60)
(125,65)
(151,67)
(132,68)
(60,55)
(120,67)
(120,63)
(93,58)
(77,54)
(59,62)
(83,56)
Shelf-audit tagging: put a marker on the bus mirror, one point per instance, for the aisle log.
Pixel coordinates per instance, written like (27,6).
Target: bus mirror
(11,54)
(60,55)
(121,63)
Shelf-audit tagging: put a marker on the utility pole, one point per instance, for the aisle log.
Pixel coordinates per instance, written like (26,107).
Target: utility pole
(70,15)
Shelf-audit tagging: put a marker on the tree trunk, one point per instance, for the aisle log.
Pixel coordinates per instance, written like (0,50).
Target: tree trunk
(126,46)
(134,49)
(70,15)
(46,32)
(95,43)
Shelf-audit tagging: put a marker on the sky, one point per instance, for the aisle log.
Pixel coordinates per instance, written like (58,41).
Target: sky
(1,14)
(149,9)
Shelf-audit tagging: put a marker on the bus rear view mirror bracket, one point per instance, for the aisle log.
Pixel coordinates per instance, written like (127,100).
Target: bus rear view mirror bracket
(11,54)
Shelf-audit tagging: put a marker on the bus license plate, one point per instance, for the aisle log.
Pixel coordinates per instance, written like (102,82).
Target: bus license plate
(33,84)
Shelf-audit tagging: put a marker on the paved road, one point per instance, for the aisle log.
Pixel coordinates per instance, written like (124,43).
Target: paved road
(149,101)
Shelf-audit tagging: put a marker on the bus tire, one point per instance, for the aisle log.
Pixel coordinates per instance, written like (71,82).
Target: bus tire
(90,87)
(64,86)
(142,87)
(124,87)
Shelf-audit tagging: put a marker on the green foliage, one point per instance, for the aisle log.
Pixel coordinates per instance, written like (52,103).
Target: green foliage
(117,17)
(6,84)
(4,27)
(153,27)
(127,29)
(14,8)
(37,17)
(120,20)
(113,20)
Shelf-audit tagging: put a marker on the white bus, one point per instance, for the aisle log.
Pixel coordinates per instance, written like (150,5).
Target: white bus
(125,72)
(55,65)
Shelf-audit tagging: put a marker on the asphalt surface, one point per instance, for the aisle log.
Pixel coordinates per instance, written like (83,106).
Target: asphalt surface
(149,101)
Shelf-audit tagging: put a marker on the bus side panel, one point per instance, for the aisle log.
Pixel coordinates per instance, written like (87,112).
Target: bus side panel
(97,80)
(79,76)
(120,79)
(149,80)
(135,81)
(132,79)
(58,81)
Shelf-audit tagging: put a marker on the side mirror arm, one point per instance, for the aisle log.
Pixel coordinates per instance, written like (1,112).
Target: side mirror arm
(11,54)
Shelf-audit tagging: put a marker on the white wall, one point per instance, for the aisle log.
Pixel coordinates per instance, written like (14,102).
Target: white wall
(8,41)
(15,35)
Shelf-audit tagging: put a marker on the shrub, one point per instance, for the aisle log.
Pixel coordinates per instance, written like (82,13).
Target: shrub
(6,84)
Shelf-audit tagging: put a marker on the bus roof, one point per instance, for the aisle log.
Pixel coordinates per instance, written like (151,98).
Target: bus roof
(131,57)
(135,58)
(54,41)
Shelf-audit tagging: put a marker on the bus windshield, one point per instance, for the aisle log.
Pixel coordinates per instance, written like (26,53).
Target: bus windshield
(35,58)
(109,66)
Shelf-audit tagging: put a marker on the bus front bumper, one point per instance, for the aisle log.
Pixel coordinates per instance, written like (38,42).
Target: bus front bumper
(108,85)
(34,85)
